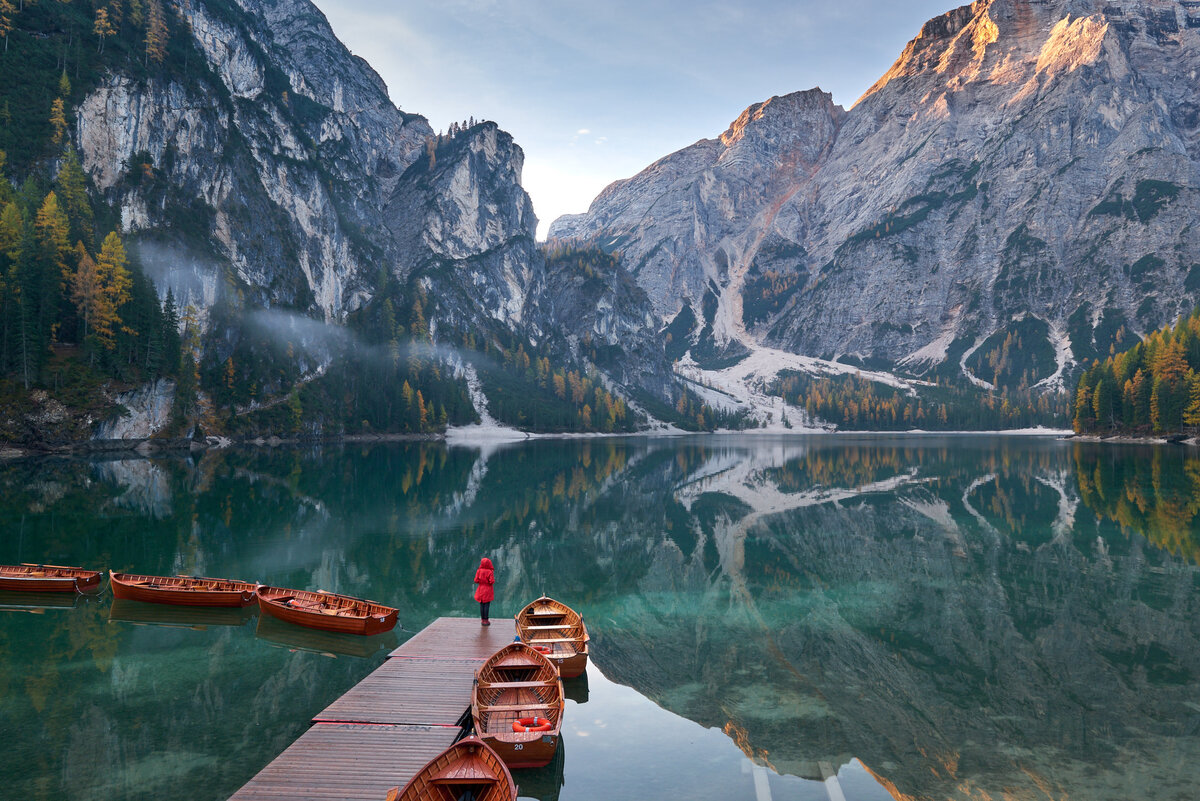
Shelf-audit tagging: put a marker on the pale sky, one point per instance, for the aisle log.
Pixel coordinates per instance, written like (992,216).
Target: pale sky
(596,91)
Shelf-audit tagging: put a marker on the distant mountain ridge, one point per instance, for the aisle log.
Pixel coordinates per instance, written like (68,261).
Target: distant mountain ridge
(1013,198)
(1021,161)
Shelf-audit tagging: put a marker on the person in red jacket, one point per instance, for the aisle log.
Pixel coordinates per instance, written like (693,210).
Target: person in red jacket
(485,578)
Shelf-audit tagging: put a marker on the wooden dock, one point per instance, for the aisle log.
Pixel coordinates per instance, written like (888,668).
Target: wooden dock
(386,727)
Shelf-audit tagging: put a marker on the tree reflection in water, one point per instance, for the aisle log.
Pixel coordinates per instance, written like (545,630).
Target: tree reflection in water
(969,617)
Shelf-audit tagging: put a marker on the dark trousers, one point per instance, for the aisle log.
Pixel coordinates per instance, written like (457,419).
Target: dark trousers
(484,606)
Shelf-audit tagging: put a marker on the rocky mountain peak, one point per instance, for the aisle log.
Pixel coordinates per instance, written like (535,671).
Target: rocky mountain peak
(781,111)
(1023,163)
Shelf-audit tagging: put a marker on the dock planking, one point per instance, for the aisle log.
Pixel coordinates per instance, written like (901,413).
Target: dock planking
(431,692)
(458,638)
(389,725)
(334,761)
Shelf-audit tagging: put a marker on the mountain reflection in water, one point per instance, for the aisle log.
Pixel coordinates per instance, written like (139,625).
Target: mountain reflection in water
(927,618)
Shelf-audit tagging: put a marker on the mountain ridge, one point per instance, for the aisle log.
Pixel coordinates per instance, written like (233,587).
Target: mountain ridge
(969,175)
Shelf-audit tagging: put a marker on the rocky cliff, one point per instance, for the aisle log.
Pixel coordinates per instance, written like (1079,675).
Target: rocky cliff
(275,146)
(264,166)
(1020,160)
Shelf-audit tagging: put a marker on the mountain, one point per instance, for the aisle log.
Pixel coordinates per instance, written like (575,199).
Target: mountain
(1012,199)
(282,148)
(337,267)
(1025,171)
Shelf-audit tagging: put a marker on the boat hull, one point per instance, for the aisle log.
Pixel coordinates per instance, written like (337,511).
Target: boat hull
(571,666)
(521,751)
(180,596)
(24,579)
(366,625)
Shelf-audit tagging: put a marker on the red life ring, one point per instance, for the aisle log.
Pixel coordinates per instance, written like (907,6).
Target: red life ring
(542,649)
(531,724)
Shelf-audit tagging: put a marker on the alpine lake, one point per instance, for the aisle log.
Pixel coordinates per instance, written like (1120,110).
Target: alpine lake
(910,617)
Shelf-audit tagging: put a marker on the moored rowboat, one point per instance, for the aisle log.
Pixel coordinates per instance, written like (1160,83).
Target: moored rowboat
(183,590)
(517,706)
(467,769)
(326,611)
(558,631)
(48,578)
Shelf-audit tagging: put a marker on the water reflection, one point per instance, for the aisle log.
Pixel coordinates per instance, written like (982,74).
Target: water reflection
(326,643)
(920,617)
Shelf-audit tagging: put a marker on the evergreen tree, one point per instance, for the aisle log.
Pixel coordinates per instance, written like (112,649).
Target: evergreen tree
(156,33)
(171,342)
(72,191)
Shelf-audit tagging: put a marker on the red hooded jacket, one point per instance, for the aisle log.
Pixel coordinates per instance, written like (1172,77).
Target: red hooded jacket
(485,578)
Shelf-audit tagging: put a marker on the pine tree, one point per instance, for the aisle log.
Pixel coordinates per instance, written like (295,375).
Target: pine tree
(1191,414)
(171,342)
(1169,395)
(115,283)
(58,120)
(72,190)
(7,14)
(102,27)
(156,34)
(87,292)
(1103,398)
(53,231)
(12,228)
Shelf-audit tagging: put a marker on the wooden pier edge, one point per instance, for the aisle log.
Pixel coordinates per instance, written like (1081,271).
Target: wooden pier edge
(381,731)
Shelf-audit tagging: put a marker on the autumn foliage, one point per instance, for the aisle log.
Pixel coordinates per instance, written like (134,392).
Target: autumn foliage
(1153,387)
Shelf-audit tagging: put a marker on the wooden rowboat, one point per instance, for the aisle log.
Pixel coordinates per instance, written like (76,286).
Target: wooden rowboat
(326,611)
(48,578)
(517,706)
(558,631)
(183,590)
(467,769)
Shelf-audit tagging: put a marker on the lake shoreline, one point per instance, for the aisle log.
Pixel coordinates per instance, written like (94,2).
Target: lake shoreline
(1128,439)
(475,437)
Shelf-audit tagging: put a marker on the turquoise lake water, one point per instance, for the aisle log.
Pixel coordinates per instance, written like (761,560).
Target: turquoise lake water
(908,617)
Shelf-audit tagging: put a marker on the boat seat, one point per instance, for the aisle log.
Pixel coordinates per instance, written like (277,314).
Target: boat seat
(548,628)
(516,685)
(516,707)
(541,640)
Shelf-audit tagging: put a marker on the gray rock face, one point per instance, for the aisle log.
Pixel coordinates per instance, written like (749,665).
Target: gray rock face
(1019,158)
(463,219)
(469,229)
(283,153)
(281,148)
(149,410)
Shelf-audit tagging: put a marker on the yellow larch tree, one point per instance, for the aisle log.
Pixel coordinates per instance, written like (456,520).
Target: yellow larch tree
(7,14)
(106,293)
(58,120)
(86,291)
(102,27)
(52,230)
(156,34)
